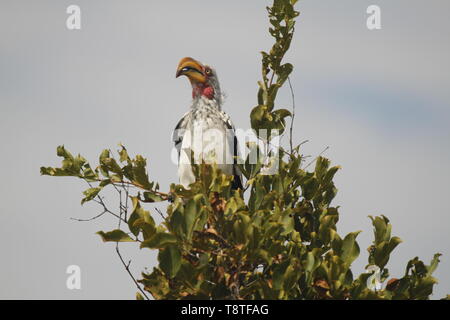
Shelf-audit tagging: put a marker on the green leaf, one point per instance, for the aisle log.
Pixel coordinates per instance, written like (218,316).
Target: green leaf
(309,188)
(139,296)
(279,275)
(141,220)
(90,194)
(350,248)
(156,283)
(327,179)
(140,173)
(288,222)
(56,172)
(257,116)
(105,182)
(70,166)
(190,214)
(116,235)
(321,169)
(103,167)
(62,152)
(423,288)
(89,174)
(124,157)
(383,250)
(113,166)
(284,72)
(382,228)
(170,260)
(282,113)
(151,197)
(311,263)
(159,240)
(434,263)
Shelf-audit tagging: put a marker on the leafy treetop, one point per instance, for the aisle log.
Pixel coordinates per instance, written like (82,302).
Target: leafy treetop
(277,239)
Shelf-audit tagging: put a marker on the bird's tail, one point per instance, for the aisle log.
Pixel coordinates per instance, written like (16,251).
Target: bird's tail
(237,183)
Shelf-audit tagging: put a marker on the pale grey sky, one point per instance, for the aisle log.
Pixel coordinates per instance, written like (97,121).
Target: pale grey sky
(379,99)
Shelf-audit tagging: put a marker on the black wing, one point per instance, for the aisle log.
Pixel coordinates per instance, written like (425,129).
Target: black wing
(237,182)
(178,133)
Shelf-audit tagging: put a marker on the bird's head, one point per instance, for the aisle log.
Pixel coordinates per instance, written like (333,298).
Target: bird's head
(203,78)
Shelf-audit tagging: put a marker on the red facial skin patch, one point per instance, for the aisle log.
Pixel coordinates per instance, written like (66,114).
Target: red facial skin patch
(204,90)
(208,92)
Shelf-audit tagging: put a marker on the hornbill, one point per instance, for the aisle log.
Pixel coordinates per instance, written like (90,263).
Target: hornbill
(205,134)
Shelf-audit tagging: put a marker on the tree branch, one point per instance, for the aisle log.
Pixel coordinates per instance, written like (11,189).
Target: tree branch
(127,268)
(293,116)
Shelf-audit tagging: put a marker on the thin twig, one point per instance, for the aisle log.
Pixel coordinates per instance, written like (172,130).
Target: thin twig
(127,268)
(90,219)
(132,184)
(293,115)
(120,207)
(127,193)
(161,214)
(323,151)
(102,203)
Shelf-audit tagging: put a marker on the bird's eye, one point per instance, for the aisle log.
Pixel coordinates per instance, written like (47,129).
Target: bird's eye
(208,71)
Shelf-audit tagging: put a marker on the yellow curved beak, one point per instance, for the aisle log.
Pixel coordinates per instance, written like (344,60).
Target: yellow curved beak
(192,69)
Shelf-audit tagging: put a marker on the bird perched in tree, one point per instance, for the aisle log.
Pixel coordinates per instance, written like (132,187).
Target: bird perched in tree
(205,133)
